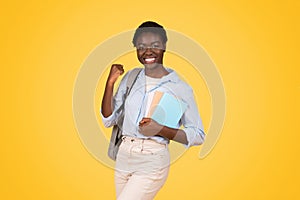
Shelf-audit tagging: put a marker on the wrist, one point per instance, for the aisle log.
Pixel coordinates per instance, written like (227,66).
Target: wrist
(167,132)
(110,83)
(162,131)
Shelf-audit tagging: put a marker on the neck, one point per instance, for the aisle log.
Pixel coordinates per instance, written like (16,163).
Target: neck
(156,72)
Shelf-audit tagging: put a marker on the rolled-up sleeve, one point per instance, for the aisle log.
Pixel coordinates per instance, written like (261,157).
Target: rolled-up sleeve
(117,103)
(192,122)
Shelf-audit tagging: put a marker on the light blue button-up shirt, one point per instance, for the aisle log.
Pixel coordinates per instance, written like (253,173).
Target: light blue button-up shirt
(135,107)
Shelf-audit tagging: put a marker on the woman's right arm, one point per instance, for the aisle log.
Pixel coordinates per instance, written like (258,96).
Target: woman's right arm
(107,103)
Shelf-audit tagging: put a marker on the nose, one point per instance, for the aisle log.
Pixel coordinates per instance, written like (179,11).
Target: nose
(148,51)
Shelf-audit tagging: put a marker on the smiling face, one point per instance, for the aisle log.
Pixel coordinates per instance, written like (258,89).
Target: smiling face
(150,50)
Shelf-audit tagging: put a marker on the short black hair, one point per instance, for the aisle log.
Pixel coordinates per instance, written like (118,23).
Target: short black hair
(150,26)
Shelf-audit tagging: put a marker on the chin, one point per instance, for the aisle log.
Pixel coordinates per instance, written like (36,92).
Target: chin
(152,65)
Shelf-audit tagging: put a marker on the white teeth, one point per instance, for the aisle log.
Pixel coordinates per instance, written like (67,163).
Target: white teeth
(149,59)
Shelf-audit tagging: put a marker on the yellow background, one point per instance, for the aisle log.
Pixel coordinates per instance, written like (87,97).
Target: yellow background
(255,45)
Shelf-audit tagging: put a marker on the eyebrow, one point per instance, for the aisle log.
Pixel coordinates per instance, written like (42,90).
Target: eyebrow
(151,43)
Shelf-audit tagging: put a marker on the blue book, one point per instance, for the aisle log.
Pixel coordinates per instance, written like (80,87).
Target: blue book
(166,109)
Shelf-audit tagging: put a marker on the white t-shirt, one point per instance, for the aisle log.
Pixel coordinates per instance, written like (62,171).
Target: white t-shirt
(151,82)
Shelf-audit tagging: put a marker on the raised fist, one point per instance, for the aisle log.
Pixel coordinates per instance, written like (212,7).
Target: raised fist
(115,71)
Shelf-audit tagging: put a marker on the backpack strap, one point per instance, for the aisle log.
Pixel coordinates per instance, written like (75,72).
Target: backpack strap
(131,80)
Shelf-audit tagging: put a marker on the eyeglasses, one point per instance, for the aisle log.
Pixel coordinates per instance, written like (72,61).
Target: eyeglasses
(154,46)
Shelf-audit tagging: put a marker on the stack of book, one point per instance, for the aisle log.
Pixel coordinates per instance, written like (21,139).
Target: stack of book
(165,108)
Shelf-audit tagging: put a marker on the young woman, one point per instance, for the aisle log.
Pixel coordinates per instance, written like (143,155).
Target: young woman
(142,163)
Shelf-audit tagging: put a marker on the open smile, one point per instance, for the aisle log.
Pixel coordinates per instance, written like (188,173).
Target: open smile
(149,60)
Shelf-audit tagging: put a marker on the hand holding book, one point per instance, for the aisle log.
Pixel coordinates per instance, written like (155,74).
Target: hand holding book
(149,127)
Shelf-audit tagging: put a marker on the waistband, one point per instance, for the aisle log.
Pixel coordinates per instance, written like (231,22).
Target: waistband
(141,140)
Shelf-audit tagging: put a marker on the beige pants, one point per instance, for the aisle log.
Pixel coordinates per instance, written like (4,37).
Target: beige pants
(142,168)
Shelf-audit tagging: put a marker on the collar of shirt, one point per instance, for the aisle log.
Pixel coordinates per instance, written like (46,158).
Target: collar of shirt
(171,77)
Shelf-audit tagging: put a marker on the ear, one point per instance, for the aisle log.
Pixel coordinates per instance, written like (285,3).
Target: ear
(164,47)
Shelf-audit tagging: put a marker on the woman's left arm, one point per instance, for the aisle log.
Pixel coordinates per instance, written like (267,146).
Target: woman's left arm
(149,127)
(191,120)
